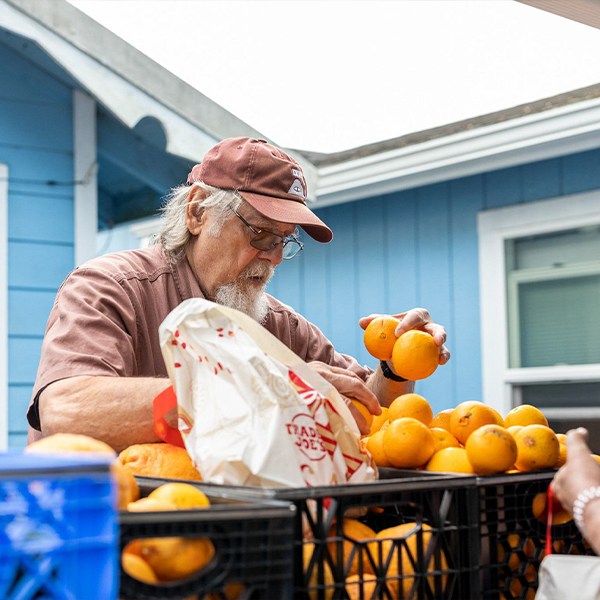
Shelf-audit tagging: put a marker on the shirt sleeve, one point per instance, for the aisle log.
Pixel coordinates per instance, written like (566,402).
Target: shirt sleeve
(312,345)
(91,331)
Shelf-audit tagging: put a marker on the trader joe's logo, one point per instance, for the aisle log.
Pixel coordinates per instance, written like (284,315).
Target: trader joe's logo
(307,438)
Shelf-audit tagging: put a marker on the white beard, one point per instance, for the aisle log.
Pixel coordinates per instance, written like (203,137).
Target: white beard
(246,296)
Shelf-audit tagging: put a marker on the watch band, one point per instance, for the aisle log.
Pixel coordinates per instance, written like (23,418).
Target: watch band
(388,373)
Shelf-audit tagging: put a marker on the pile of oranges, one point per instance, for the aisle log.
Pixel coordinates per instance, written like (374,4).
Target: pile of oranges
(472,438)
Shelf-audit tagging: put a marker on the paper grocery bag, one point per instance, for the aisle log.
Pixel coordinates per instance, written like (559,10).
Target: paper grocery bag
(251,412)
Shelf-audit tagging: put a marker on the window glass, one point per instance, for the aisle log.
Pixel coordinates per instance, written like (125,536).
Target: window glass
(553,288)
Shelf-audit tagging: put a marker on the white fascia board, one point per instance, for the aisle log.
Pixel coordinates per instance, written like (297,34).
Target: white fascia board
(541,136)
(128,102)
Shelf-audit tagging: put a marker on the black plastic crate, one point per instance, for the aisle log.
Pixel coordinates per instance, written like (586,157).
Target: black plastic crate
(253,544)
(440,562)
(513,539)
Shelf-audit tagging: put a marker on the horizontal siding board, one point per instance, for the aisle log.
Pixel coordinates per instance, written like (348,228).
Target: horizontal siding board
(18,402)
(466,198)
(39,218)
(581,172)
(28,312)
(23,359)
(435,284)
(19,128)
(38,265)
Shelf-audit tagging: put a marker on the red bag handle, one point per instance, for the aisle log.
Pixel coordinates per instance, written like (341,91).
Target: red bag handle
(549,507)
(163,403)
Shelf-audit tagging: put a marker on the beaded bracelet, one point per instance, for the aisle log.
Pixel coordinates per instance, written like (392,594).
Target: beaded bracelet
(580,504)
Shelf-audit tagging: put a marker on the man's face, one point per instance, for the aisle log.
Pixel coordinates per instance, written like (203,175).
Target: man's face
(230,271)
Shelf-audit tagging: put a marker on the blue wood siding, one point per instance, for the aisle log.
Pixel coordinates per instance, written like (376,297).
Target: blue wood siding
(36,142)
(419,248)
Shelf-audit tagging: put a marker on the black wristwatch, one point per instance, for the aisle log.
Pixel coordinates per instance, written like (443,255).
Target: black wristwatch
(388,373)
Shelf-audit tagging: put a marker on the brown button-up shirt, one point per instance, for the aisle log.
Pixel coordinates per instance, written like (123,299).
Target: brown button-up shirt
(106,316)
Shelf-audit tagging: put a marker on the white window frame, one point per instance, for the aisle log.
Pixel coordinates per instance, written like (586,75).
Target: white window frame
(3,306)
(501,384)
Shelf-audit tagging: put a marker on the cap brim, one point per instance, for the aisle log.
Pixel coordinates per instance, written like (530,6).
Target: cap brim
(289,211)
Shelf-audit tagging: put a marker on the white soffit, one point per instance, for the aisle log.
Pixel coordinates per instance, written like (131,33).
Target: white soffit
(556,132)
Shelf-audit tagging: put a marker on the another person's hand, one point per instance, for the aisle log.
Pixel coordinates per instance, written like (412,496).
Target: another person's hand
(417,318)
(580,472)
(350,385)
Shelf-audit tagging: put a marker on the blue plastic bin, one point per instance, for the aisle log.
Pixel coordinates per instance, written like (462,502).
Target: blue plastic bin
(58,528)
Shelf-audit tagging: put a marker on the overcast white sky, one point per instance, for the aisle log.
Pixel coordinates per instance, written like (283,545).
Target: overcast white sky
(332,75)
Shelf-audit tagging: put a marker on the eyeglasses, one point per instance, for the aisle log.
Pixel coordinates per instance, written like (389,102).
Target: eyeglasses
(268,241)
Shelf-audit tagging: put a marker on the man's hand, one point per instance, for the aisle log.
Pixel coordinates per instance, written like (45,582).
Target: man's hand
(417,318)
(349,385)
(580,472)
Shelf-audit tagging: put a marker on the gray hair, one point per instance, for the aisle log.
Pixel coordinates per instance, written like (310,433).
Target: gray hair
(174,235)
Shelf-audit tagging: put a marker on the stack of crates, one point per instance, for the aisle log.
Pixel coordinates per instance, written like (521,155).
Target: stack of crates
(432,556)
(58,528)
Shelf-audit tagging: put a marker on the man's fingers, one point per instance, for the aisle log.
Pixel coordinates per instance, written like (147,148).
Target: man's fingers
(444,355)
(416,318)
(363,426)
(364,321)
(577,442)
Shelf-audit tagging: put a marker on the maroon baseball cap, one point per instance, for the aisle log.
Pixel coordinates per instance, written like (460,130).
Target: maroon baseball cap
(267,178)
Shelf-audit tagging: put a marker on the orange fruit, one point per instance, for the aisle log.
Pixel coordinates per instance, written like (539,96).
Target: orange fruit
(357,531)
(408,532)
(408,443)
(562,457)
(151,505)
(537,448)
(159,460)
(411,405)
(539,507)
(499,419)
(375,448)
(128,488)
(596,457)
(442,419)
(525,415)
(514,541)
(175,558)
(562,438)
(491,449)
(469,416)
(363,410)
(450,460)
(513,430)
(182,495)
(443,439)
(354,585)
(517,587)
(379,420)
(138,568)
(415,355)
(313,592)
(380,337)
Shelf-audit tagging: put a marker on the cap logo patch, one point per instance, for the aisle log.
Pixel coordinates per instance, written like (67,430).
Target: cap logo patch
(297,189)
(297,173)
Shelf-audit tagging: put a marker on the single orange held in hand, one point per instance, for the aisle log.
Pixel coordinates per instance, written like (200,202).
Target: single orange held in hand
(469,416)
(380,337)
(491,449)
(525,415)
(411,405)
(408,443)
(415,355)
(364,411)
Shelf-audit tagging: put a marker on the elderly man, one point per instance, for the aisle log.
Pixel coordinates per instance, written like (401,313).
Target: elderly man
(223,234)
